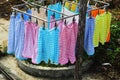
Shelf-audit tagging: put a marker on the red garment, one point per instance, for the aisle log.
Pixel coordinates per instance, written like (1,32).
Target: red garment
(94,13)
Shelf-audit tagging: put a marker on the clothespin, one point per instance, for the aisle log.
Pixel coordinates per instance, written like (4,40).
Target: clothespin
(90,15)
(46,12)
(62,17)
(43,25)
(98,12)
(38,9)
(106,9)
(74,19)
(36,21)
(65,22)
(53,15)
(13,12)
(22,16)
(55,25)
(30,18)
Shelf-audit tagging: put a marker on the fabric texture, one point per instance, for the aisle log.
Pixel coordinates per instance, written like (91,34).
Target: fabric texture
(39,13)
(57,7)
(25,16)
(34,56)
(53,45)
(60,25)
(94,13)
(11,35)
(67,12)
(102,28)
(108,23)
(19,36)
(42,55)
(29,42)
(68,38)
(88,38)
(52,24)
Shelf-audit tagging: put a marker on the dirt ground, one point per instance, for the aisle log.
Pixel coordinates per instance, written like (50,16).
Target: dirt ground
(11,63)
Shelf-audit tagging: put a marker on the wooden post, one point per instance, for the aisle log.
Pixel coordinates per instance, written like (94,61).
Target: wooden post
(80,39)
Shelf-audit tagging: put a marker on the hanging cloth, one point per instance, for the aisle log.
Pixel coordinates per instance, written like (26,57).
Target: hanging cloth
(53,45)
(25,16)
(42,55)
(52,24)
(34,56)
(30,33)
(11,35)
(96,12)
(57,7)
(67,12)
(102,29)
(68,39)
(88,38)
(108,23)
(19,39)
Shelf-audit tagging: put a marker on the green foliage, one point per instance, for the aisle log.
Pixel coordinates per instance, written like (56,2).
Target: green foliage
(111,50)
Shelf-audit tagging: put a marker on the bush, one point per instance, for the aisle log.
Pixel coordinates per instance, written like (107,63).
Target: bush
(110,51)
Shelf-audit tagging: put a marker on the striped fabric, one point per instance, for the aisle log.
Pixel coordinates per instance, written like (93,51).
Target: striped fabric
(34,56)
(30,30)
(68,38)
(11,35)
(57,7)
(42,46)
(88,37)
(53,45)
(19,39)
(102,28)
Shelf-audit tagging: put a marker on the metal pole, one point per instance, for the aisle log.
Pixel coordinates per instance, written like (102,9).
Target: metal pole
(45,8)
(29,14)
(50,9)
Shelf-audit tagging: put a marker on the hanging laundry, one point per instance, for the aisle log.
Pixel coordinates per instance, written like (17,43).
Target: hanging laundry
(11,35)
(25,16)
(94,13)
(57,7)
(34,12)
(34,56)
(42,46)
(71,6)
(108,17)
(68,39)
(102,28)
(19,39)
(60,25)
(30,33)
(88,37)
(52,24)
(67,12)
(53,45)
(39,12)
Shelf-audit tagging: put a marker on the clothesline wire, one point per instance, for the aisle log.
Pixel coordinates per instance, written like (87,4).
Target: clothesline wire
(26,3)
(44,7)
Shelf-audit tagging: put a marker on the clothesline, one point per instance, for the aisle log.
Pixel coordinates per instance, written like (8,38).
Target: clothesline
(26,3)
(55,43)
